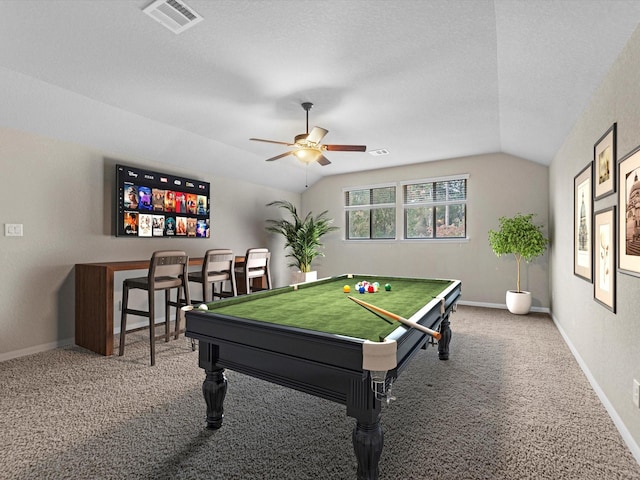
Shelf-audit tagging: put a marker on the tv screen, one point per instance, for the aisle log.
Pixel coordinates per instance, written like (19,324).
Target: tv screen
(155,204)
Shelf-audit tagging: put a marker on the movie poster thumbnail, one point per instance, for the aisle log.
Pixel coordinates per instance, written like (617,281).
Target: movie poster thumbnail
(158,200)
(145,198)
(145,225)
(169,201)
(181,225)
(131,223)
(170,227)
(158,225)
(131,199)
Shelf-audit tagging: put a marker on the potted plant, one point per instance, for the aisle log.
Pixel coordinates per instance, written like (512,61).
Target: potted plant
(302,236)
(518,235)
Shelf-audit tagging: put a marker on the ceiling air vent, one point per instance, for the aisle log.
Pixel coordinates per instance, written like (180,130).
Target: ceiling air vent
(378,152)
(176,15)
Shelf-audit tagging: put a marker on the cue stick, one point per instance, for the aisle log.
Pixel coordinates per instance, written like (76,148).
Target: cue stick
(398,318)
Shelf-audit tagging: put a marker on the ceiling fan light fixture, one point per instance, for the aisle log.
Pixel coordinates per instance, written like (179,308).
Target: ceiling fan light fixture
(308,146)
(307,155)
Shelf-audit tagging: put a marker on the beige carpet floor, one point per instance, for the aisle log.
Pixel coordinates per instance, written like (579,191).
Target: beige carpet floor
(511,403)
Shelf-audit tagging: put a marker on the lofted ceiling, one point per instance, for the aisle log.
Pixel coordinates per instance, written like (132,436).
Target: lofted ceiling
(426,80)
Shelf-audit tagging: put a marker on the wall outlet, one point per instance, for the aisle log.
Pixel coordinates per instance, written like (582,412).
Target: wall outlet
(636,393)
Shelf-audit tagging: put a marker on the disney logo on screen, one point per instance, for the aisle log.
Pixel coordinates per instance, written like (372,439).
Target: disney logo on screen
(132,174)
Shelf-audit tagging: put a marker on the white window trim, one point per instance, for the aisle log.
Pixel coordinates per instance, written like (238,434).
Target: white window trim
(400,207)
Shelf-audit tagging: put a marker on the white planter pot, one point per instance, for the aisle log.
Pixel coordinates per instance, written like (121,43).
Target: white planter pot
(299,277)
(518,302)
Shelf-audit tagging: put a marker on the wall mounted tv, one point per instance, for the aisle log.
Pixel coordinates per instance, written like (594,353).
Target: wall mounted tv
(155,204)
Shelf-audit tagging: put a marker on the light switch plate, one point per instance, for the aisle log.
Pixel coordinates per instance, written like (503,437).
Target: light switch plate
(12,229)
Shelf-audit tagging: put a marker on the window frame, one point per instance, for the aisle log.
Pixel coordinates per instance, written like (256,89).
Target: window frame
(434,204)
(370,207)
(400,208)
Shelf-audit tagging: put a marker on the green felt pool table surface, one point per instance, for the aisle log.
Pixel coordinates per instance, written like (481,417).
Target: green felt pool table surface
(323,306)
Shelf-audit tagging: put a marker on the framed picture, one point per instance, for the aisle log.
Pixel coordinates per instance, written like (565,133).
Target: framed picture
(604,272)
(629,215)
(604,164)
(582,218)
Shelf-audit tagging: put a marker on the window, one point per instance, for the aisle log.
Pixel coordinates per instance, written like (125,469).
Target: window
(371,213)
(435,208)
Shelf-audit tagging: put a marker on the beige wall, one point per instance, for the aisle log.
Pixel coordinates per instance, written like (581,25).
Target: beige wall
(498,185)
(63,194)
(608,344)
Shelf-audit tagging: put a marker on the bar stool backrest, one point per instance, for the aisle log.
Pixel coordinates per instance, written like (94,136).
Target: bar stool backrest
(257,261)
(218,261)
(167,269)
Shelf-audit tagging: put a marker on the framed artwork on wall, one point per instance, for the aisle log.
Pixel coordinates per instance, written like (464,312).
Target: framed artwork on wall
(604,164)
(582,226)
(629,215)
(604,272)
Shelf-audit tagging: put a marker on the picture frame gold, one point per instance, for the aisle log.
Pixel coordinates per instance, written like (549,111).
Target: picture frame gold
(604,164)
(604,265)
(583,223)
(629,213)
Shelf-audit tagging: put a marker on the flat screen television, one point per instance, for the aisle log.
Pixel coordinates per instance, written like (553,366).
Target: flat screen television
(154,204)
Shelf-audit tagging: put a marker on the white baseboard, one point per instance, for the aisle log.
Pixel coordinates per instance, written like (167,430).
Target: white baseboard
(624,432)
(36,349)
(502,306)
(65,343)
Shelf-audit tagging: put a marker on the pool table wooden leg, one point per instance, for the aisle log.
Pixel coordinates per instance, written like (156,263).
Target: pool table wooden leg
(368,440)
(443,343)
(214,389)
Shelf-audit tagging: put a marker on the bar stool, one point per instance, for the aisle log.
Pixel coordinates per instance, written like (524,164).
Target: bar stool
(167,270)
(218,267)
(256,265)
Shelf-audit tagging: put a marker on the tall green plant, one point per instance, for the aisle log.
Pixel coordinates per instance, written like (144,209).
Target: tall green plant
(302,235)
(518,235)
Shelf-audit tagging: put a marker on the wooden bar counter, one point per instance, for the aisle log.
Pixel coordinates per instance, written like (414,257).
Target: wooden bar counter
(95,300)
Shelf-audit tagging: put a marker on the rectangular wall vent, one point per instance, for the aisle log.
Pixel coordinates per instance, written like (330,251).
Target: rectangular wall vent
(176,15)
(378,152)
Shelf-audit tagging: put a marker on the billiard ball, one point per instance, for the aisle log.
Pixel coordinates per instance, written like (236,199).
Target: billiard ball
(361,289)
(346,289)
(203,306)
(387,287)
(370,289)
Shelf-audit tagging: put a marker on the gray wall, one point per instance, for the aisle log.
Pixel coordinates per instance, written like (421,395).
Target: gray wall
(498,185)
(63,194)
(607,344)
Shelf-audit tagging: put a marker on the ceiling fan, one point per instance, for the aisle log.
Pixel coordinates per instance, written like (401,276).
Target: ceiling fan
(308,147)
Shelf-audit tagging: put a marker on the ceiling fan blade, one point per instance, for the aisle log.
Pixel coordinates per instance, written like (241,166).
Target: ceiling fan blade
(316,134)
(322,160)
(346,148)
(271,141)
(278,157)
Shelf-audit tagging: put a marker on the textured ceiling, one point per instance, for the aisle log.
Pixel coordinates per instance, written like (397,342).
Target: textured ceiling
(427,80)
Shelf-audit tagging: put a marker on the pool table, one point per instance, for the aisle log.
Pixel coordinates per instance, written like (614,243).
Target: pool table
(312,338)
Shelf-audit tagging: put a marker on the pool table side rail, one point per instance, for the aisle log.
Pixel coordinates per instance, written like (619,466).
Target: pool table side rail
(323,365)
(431,316)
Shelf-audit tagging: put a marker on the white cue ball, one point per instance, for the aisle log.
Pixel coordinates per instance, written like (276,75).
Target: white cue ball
(203,306)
